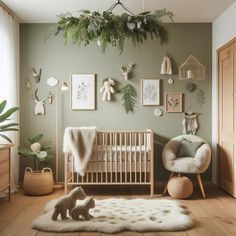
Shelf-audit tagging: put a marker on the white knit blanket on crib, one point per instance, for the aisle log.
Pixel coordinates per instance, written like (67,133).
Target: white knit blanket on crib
(79,142)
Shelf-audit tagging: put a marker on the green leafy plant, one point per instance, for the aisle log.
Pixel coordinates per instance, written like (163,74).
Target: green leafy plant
(4,117)
(36,151)
(107,28)
(129,95)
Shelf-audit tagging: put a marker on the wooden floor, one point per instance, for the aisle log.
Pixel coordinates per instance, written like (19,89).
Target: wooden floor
(214,216)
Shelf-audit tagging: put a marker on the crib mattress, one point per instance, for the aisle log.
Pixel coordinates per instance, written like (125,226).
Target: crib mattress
(120,153)
(117,158)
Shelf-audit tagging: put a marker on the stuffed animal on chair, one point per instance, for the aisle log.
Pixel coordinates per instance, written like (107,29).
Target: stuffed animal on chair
(67,202)
(83,209)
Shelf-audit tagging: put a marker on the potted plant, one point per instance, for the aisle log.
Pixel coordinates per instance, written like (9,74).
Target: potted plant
(4,117)
(39,180)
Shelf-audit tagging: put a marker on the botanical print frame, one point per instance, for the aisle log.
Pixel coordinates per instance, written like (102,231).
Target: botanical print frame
(150,92)
(174,102)
(83,92)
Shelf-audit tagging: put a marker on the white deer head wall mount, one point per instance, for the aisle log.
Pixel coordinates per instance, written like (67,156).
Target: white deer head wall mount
(39,105)
(126,69)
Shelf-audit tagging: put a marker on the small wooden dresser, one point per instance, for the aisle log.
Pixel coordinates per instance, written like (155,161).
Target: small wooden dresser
(5,176)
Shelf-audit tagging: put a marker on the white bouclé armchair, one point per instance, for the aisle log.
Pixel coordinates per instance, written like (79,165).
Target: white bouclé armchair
(196,160)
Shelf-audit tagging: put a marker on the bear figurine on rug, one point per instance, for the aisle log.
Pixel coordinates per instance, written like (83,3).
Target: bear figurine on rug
(83,209)
(67,202)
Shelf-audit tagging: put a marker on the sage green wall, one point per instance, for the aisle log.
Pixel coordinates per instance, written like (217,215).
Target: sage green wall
(60,60)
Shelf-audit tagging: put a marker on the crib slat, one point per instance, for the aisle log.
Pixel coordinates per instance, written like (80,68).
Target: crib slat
(130,160)
(151,168)
(87,177)
(66,173)
(106,165)
(72,168)
(96,179)
(111,161)
(121,172)
(145,157)
(126,157)
(135,157)
(101,156)
(140,159)
(116,162)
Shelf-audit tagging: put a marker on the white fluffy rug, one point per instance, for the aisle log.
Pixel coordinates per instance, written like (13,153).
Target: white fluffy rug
(114,215)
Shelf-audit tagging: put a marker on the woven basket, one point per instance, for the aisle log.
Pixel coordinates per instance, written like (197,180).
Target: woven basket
(38,182)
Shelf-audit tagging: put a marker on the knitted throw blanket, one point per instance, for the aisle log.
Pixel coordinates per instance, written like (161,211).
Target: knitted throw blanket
(79,143)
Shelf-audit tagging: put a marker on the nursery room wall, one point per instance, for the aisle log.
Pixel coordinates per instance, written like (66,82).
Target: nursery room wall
(41,49)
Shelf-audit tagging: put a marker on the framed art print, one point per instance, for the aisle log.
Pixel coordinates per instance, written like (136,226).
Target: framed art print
(83,92)
(174,102)
(150,92)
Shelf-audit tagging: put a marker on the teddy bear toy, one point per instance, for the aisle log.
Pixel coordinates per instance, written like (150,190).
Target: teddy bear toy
(107,89)
(67,202)
(83,209)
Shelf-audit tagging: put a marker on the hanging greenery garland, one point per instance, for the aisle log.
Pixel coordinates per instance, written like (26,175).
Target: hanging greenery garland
(109,29)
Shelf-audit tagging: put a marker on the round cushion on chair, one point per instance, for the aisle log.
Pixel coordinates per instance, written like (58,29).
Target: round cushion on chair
(180,187)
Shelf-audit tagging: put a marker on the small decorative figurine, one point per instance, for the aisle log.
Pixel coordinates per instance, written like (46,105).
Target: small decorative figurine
(83,209)
(67,202)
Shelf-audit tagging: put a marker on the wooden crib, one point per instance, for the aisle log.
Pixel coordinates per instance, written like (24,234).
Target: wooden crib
(120,158)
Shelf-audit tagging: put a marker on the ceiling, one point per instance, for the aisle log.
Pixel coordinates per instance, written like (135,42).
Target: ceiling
(45,11)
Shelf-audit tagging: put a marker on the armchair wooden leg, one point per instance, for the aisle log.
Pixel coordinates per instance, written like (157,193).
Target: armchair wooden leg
(171,176)
(199,179)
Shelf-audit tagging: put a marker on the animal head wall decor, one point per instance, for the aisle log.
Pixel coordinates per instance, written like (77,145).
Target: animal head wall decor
(37,75)
(126,69)
(39,105)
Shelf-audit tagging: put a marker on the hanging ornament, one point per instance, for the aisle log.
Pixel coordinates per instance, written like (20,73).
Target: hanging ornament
(190,123)
(28,84)
(158,112)
(166,67)
(170,81)
(190,87)
(50,98)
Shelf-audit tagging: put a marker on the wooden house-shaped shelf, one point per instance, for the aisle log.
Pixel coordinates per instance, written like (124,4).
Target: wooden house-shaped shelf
(192,69)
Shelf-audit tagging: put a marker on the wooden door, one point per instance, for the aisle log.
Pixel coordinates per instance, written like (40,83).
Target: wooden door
(227,118)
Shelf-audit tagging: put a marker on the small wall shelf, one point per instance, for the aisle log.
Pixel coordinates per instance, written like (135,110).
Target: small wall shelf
(192,69)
